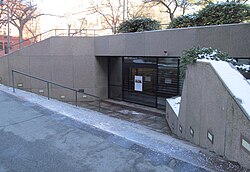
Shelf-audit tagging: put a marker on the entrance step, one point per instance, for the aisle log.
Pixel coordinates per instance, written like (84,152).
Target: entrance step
(136,107)
(152,118)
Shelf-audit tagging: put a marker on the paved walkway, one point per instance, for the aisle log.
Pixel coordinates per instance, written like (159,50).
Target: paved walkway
(153,119)
(33,138)
(36,139)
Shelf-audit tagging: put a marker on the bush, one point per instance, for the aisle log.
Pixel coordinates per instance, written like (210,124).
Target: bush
(184,21)
(214,14)
(193,54)
(225,13)
(138,25)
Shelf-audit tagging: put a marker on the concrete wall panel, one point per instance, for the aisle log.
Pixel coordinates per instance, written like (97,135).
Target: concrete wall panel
(156,43)
(135,44)
(4,75)
(215,37)
(37,49)
(117,45)
(239,40)
(20,63)
(61,46)
(207,106)
(62,70)
(101,74)
(84,71)
(102,46)
(237,126)
(179,40)
(86,44)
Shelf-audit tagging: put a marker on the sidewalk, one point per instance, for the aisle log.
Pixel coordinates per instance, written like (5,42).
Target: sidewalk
(53,136)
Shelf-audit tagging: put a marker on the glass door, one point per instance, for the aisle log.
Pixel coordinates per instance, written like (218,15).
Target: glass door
(139,84)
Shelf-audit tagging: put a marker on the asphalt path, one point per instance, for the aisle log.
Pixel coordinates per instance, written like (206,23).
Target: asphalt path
(33,138)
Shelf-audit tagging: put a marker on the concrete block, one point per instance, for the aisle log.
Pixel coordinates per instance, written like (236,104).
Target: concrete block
(156,43)
(37,49)
(135,44)
(117,45)
(84,71)
(179,40)
(62,94)
(20,63)
(171,118)
(213,104)
(40,66)
(62,70)
(61,46)
(102,46)
(215,37)
(239,40)
(82,46)
(237,128)
(4,75)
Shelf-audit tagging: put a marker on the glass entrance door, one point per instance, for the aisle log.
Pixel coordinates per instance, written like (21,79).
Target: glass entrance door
(139,84)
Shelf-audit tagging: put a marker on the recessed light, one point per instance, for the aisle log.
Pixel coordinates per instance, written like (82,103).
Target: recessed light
(41,91)
(62,97)
(192,131)
(20,85)
(210,137)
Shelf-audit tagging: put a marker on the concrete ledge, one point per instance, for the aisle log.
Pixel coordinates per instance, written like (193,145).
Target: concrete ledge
(214,112)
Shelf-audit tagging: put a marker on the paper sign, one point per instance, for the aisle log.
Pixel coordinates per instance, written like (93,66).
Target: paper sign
(138,83)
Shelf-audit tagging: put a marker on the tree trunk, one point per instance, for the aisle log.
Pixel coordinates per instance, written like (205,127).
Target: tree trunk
(20,37)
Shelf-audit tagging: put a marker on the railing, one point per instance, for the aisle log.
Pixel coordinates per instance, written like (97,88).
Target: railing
(58,32)
(56,84)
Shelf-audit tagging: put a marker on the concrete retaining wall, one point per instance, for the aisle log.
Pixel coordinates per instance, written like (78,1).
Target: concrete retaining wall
(234,39)
(81,62)
(211,117)
(67,61)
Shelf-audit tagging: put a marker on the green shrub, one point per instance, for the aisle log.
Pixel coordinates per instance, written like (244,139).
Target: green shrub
(193,54)
(184,21)
(225,13)
(215,14)
(138,25)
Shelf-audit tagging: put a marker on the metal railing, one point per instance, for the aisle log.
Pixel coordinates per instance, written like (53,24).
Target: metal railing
(56,84)
(57,32)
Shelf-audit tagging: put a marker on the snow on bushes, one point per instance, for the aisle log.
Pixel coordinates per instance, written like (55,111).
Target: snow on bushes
(193,54)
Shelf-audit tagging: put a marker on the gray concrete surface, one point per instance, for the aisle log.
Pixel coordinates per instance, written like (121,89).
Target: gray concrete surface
(207,105)
(33,138)
(82,62)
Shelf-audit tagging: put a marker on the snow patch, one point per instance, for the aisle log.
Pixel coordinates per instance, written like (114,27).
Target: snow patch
(175,104)
(243,67)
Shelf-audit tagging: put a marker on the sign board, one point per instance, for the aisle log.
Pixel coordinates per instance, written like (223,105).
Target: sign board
(138,83)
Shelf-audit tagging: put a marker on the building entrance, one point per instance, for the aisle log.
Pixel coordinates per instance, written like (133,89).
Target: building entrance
(139,84)
(144,80)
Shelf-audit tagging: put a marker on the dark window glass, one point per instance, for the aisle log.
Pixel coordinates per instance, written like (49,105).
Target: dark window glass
(140,60)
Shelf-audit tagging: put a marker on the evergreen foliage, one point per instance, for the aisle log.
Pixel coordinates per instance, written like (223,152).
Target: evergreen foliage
(215,14)
(139,25)
(193,54)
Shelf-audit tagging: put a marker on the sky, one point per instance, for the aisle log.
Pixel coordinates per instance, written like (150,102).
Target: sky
(52,7)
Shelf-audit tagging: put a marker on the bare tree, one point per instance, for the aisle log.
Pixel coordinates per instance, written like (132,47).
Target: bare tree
(134,10)
(110,11)
(173,5)
(20,13)
(32,29)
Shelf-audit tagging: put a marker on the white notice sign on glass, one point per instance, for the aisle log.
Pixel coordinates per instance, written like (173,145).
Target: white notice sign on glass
(138,83)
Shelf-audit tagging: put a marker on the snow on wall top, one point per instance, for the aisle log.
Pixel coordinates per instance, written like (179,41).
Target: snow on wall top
(236,83)
(175,104)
